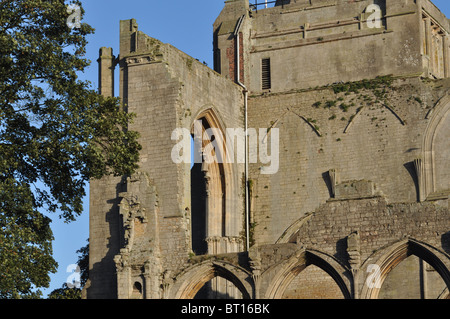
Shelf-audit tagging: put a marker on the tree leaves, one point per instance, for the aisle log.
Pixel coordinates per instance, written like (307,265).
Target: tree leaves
(56,133)
(25,242)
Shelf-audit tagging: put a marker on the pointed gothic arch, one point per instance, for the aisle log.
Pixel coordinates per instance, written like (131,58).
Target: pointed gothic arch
(216,176)
(426,165)
(189,283)
(298,262)
(387,259)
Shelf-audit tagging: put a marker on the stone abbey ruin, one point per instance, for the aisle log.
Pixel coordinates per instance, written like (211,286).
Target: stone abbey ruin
(356,94)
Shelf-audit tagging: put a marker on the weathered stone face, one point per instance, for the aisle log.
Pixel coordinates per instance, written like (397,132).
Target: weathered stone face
(362,184)
(315,43)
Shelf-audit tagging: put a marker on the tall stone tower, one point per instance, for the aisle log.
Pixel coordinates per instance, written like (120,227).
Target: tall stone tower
(339,187)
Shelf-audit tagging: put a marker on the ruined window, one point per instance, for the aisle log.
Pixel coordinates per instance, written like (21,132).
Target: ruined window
(137,291)
(265,72)
(198,209)
(208,187)
(425,35)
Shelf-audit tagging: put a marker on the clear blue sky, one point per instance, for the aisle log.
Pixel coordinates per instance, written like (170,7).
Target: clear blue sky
(186,25)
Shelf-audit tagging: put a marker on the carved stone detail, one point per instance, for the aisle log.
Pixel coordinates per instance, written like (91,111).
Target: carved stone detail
(223,245)
(420,173)
(334,180)
(130,209)
(166,281)
(131,61)
(255,264)
(121,260)
(353,250)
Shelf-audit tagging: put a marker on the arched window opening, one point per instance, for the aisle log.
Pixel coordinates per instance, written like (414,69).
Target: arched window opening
(137,291)
(208,190)
(294,276)
(198,209)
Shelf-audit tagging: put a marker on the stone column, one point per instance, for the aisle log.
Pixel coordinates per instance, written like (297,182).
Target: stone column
(255,265)
(420,173)
(446,40)
(156,284)
(106,72)
(205,170)
(354,259)
(428,43)
(123,275)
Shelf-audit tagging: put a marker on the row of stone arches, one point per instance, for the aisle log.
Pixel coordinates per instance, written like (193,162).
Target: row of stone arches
(275,280)
(215,187)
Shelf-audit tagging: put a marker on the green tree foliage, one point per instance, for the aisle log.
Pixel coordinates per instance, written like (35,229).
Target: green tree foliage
(56,132)
(83,263)
(65,292)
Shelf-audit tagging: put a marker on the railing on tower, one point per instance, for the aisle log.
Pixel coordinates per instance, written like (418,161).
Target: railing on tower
(254,6)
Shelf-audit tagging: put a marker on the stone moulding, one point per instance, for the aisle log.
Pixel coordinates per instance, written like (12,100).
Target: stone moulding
(187,283)
(288,269)
(293,229)
(139,60)
(427,161)
(389,257)
(314,41)
(347,128)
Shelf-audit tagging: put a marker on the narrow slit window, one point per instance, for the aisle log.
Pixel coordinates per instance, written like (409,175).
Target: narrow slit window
(265,71)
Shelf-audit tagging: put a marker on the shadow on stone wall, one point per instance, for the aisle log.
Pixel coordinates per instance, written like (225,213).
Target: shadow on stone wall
(412,172)
(445,241)
(103,273)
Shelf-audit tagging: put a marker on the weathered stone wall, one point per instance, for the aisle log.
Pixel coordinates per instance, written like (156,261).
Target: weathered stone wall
(363,176)
(104,236)
(373,135)
(308,42)
(166,89)
(313,283)
(331,254)
(378,223)
(105,226)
